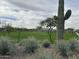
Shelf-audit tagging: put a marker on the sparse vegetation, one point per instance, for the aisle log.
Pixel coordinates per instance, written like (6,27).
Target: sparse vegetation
(68,48)
(43,42)
(30,45)
(74,45)
(63,49)
(6,47)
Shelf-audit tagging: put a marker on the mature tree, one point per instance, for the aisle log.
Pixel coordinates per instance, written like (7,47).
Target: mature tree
(49,23)
(39,28)
(58,21)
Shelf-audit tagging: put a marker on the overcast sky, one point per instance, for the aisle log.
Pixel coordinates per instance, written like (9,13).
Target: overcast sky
(28,13)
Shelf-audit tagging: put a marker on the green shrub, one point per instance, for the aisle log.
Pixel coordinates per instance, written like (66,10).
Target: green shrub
(30,45)
(46,44)
(68,47)
(6,47)
(63,49)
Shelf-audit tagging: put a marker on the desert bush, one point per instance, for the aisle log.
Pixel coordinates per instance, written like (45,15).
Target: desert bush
(68,47)
(30,45)
(63,48)
(74,45)
(6,47)
(46,44)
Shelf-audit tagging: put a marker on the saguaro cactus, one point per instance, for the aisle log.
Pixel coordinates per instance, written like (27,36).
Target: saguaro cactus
(61,20)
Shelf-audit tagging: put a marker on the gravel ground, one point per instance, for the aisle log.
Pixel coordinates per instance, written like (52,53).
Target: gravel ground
(20,55)
(52,51)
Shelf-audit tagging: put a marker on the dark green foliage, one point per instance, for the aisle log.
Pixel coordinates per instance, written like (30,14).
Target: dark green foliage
(56,18)
(49,22)
(46,44)
(67,15)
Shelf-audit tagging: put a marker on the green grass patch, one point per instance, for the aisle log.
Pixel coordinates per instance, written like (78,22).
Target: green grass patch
(18,36)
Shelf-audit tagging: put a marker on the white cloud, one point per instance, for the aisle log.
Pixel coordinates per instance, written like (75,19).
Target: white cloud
(27,19)
(30,12)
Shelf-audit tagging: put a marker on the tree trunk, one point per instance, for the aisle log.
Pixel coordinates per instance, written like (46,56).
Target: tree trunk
(50,34)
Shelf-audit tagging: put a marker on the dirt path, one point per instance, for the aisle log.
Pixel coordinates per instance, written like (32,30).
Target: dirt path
(19,53)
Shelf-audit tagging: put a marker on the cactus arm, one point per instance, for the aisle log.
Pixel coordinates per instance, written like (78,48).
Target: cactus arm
(67,15)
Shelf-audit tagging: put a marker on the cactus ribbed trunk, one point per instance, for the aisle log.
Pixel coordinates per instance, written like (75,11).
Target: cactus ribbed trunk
(60,21)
